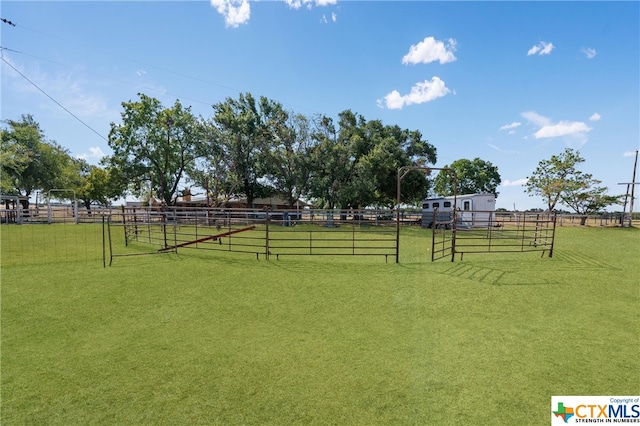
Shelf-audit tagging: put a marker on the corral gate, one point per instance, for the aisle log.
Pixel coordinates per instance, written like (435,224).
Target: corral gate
(446,245)
(460,232)
(263,233)
(443,240)
(491,232)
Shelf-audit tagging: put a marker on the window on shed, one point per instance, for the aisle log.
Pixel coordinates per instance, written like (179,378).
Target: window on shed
(425,206)
(467,205)
(436,205)
(447,203)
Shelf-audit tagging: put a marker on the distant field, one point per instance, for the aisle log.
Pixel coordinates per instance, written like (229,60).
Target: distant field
(207,337)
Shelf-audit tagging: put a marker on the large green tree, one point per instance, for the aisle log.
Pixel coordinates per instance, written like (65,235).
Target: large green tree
(356,189)
(288,156)
(328,160)
(355,164)
(475,176)
(29,162)
(392,148)
(246,129)
(585,197)
(153,146)
(210,169)
(554,176)
(93,184)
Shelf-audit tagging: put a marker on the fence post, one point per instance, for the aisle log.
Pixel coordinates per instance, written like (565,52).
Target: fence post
(124,227)
(353,235)
(553,234)
(104,254)
(266,239)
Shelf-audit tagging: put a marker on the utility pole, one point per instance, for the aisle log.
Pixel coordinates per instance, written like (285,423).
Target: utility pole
(631,184)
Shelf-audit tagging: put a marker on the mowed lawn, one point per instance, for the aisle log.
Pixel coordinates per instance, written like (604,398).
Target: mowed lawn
(223,338)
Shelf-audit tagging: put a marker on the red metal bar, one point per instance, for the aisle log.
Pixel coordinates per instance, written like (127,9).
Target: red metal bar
(210,237)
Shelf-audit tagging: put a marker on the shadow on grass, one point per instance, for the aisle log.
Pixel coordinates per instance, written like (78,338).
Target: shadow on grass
(528,271)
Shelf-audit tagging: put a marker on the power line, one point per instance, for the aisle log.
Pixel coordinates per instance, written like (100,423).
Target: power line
(56,102)
(139,86)
(183,75)
(8,50)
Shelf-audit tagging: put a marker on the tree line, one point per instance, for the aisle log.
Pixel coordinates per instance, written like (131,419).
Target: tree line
(254,148)
(250,148)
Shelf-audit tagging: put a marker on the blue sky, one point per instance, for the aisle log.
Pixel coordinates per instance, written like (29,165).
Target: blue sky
(510,82)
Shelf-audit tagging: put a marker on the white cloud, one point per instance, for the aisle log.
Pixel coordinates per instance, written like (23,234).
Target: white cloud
(547,129)
(595,117)
(324,19)
(589,52)
(141,72)
(431,50)
(563,128)
(294,4)
(297,4)
(94,152)
(421,92)
(497,148)
(629,154)
(511,126)
(18,83)
(235,12)
(68,91)
(71,90)
(77,99)
(542,48)
(536,118)
(517,182)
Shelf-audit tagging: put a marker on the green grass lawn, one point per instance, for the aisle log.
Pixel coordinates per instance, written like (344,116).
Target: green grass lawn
(222,338)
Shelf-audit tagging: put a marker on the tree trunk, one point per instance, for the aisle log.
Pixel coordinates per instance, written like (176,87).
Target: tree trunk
(25,207)
(583,220)
(87,204)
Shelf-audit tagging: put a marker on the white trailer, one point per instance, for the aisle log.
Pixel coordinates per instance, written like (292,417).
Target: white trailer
(474,210)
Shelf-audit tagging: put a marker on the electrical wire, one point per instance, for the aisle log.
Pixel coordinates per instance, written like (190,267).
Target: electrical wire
(55,101)
(198,79)
(139,86)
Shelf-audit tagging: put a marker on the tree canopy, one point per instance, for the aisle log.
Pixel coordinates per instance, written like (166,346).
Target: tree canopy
(93,183)
(586,197)
(559,180)
(473,177)
(245,131)
(154,146)
(355,164)
(249,147)
(29,162)
(553,176)
(287,161)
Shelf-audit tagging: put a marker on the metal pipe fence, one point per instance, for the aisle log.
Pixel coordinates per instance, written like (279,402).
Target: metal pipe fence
(260,232)
(467,232)
(270,234)
(57,213)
